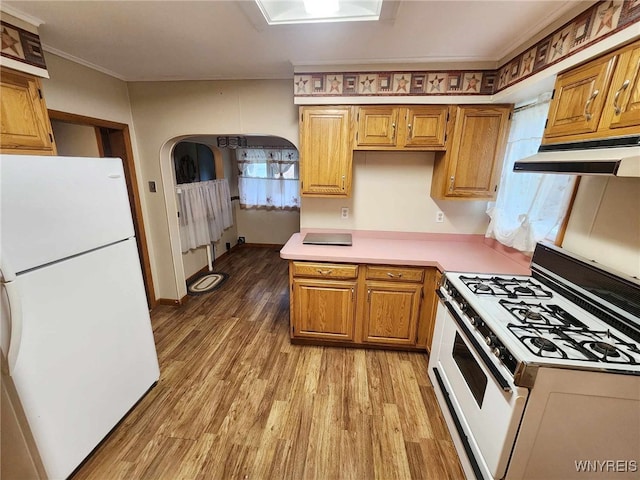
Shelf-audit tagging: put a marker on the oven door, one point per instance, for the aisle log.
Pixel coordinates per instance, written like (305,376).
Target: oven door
(482,406)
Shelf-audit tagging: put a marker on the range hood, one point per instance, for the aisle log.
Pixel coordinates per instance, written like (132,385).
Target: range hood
(617,156)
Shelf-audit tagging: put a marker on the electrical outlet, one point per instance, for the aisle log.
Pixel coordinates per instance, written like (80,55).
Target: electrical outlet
(344,212)
(439,217)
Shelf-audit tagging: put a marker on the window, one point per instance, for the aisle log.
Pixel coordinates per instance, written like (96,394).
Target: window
(268,178)
(530,207)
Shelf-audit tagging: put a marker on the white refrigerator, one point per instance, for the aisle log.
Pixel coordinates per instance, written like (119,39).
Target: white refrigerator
(77,344)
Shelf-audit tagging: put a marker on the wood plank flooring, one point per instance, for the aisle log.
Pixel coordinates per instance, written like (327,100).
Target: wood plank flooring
(236,400)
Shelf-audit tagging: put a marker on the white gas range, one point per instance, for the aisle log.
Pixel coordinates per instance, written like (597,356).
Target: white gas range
(539,377)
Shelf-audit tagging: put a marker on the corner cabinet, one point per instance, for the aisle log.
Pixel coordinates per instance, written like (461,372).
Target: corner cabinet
(600,99)
(374,305)
(26,128)
(470,168)
(325,151)
(401,128)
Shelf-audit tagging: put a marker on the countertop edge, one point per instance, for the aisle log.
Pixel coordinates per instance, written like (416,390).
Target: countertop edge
(498,260)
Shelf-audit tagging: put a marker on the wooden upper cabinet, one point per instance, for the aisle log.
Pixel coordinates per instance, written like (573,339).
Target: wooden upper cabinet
(623,104)
(26,128)
(598,100)
(426,126)
(470,168)
(377,126)
(579,98)
(325,151)
(396,127)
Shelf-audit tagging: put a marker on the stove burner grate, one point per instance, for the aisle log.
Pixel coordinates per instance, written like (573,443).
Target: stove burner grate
(576,344)
(510,287)
(529,313)
(544,344)
(605,349)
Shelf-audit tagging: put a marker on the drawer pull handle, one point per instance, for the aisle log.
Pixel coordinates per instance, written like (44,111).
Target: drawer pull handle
(587,113)
(616,107)
(325,272)
(343,179)
(391,275)
(451,184)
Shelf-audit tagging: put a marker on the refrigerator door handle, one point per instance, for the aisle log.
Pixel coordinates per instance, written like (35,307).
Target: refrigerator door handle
(15,315)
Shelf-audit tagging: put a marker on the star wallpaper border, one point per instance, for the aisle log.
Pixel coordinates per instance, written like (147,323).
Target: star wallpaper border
(20,45)
(589,27)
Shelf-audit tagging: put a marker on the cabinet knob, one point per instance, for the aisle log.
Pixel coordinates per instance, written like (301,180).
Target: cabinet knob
(587,106)
(623,87)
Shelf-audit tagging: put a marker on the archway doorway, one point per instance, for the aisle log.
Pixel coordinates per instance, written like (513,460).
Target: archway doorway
(257,226)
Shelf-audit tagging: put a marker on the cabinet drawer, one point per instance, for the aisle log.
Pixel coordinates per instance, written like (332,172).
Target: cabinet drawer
(402,274)
(324,270)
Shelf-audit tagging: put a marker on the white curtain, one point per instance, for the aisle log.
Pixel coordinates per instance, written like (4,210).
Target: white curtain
(530,206)
(268,178)
(205,212)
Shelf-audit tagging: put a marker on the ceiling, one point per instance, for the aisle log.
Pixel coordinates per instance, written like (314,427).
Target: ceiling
(198,40)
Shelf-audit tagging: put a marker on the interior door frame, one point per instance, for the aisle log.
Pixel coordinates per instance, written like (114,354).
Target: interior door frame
(132,185)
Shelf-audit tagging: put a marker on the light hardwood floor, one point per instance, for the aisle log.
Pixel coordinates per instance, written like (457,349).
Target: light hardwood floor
(236,400)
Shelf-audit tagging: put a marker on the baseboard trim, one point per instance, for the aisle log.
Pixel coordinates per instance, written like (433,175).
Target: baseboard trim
(171,302)
(261,245)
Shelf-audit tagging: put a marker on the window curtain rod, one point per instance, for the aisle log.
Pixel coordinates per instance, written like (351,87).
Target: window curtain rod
(232,198)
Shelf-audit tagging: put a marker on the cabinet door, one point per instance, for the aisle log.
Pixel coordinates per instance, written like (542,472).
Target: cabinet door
(323,309)
(579,99)
(325,160)
(377,126)
(471,167)
(426,126)
(25,121)
(391,313)
(623,105)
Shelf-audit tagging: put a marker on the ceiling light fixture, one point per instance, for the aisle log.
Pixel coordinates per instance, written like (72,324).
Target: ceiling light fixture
(278,12)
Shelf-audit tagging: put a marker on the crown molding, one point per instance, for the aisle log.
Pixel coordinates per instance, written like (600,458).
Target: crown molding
(72,58)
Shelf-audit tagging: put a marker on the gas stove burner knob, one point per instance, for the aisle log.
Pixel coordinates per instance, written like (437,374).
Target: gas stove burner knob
(490,339)
(473,321)
(499,352)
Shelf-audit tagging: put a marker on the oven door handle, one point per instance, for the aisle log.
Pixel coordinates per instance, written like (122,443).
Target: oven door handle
(504,384)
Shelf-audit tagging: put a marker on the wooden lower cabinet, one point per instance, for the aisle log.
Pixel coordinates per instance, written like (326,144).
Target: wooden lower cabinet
(323,309)
(391,313)
(390,306)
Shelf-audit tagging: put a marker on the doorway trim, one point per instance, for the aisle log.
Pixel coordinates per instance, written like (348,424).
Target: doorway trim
(132,185)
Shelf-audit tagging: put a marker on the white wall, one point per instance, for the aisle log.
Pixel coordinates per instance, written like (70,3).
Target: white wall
(75,140)
(391,192)
(73,88)
(605,223)
(165,112)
